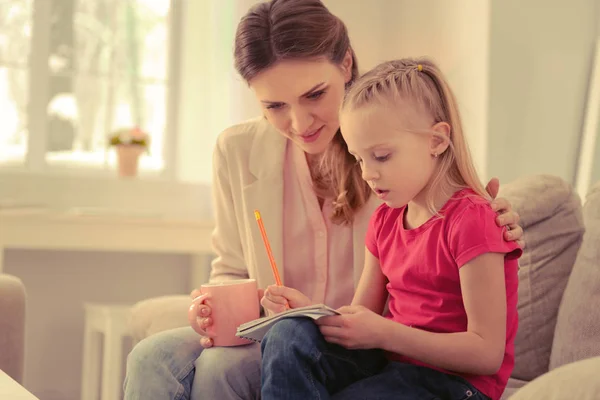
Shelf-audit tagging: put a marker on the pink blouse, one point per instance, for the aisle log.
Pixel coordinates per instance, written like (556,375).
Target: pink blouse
(317,254)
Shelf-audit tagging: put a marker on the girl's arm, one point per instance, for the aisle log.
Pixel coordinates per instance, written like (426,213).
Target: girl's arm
(371,292)
(479,350)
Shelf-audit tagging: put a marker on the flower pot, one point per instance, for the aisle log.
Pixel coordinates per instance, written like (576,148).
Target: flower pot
(128,158)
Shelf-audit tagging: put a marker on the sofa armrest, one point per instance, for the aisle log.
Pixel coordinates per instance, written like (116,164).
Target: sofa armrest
(158,314)
(12,326)
(578,380)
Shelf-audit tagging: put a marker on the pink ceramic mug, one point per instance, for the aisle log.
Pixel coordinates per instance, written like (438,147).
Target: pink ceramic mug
(232,303)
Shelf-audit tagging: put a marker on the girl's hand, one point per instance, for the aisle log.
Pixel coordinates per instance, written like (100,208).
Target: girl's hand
(506,216)
(357,328)
(276,298)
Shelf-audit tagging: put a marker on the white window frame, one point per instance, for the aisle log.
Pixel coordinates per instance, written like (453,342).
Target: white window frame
(38,86)
(587,145)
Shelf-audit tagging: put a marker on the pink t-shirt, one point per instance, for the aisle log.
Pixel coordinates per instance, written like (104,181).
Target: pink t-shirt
(422,267)
(318,255)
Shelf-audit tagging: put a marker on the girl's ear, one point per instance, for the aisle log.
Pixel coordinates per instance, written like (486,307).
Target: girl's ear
(440,140)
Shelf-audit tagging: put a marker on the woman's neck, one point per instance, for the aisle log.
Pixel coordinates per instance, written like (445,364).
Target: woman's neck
(314,166)
(318,177)
(313,160)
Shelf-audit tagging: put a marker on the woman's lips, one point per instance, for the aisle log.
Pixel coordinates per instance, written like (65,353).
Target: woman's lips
(311,137)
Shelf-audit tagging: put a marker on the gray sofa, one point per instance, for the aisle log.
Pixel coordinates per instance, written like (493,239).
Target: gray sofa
(558,342)
(559,292)
(12,326)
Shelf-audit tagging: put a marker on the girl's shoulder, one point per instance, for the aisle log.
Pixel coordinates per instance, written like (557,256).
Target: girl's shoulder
(466,199)
(466,207)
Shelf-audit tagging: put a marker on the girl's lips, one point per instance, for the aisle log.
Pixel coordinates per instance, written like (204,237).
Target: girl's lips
(382,194)
(312,137)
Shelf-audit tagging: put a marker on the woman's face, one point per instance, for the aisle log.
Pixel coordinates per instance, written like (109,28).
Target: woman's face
(301,99)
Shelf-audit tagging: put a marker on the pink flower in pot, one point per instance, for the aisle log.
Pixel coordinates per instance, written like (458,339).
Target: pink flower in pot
(130,143)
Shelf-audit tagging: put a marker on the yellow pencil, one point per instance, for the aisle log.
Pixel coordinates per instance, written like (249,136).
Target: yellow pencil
(267,247)
(263,233)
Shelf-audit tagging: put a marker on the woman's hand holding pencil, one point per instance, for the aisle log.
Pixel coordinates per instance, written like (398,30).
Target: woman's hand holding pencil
(277,297)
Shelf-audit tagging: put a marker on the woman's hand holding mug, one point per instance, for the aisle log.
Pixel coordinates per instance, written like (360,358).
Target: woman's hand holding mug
(218,308)
(202,320)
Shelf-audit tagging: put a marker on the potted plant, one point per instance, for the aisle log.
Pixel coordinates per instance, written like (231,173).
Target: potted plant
(130,143)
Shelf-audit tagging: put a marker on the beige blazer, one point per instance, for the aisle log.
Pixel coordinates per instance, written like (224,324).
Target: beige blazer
(248,166)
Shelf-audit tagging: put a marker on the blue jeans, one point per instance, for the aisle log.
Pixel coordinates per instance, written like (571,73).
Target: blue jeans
(297,363)
(172,365)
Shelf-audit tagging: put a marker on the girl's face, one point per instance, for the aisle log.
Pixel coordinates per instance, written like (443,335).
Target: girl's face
(301,99)
(394,151)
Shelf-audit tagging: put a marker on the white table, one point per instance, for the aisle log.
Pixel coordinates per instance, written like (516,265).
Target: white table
(107,231)
(10,389)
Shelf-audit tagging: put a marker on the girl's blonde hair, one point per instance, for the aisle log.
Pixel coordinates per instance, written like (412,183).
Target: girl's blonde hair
(420,81)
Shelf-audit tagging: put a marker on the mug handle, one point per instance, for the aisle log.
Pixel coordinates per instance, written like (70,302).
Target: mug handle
(193,314)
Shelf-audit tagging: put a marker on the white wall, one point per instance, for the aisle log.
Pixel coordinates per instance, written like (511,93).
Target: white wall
(541,55)
(195,122)
(366,28)
(213,96)
(455,34)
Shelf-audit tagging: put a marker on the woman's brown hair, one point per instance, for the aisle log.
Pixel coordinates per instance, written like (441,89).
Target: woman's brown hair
(280,30)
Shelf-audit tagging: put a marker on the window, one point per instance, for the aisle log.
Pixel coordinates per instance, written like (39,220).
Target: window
(72,71)
(15,35)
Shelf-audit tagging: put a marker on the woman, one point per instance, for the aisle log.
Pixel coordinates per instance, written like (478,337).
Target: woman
(297,58)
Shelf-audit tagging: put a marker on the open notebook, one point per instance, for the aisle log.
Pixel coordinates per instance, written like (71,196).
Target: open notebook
(256,329)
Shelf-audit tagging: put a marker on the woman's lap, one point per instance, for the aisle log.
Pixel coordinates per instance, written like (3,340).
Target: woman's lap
(162,365)
(228,373)
(173,365)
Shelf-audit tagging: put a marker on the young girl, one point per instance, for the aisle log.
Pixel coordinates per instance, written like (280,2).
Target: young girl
(433,251)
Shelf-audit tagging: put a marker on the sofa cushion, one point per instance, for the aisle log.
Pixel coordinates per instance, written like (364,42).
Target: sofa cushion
(551,218)
(512,386)
(158,314)
(577,334)
(577,380)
